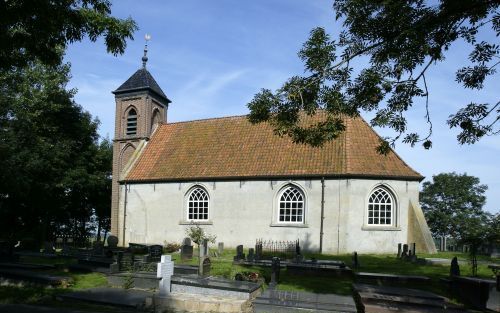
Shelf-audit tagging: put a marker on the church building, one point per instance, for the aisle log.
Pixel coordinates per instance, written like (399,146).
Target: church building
(241,182)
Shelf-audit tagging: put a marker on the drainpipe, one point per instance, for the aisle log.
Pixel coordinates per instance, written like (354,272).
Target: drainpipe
(322,214)
(124,214)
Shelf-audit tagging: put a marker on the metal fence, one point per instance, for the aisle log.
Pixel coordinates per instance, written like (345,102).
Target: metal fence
(266,249)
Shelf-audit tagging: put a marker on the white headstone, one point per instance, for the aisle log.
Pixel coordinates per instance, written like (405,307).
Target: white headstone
(165,270)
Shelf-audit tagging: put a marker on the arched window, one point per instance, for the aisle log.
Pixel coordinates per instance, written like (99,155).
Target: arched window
(155,119)
(198,203)
(381,206)
(291,205)
(131,122)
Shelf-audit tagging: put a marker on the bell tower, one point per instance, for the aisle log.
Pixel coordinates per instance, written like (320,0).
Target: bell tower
(140,106)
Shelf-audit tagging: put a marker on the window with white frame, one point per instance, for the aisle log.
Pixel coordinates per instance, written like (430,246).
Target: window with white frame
(291,205)
(381,206)
(198,203)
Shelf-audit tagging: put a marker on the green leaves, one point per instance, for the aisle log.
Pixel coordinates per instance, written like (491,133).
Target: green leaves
(35,30)
(401,40)
(449,200)
(55,173)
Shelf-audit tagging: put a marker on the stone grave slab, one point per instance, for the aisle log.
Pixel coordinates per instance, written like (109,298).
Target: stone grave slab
(382,278)
(110,296)
(278,301)
(215,286)
(370,298)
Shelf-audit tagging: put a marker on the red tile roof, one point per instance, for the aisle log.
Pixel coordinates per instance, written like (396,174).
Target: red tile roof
(233,148)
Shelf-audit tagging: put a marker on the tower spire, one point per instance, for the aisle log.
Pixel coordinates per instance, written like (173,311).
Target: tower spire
(147,37)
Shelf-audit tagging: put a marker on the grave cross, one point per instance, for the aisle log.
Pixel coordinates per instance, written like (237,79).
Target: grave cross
(165,270)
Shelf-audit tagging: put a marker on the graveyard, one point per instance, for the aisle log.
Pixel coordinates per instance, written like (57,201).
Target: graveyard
(263,278)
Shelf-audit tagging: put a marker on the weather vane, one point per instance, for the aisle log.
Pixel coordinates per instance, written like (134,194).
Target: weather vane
(147,37)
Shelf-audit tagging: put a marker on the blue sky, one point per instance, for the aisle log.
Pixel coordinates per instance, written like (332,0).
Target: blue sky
(211,57)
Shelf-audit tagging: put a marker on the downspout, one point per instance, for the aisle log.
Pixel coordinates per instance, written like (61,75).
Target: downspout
(338,224)
(124,214)
(322,214)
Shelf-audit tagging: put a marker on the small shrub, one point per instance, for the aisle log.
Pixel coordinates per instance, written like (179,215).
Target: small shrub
(171,247)
(198,234)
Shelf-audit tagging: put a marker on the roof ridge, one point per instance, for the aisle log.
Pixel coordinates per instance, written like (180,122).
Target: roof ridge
(206,119)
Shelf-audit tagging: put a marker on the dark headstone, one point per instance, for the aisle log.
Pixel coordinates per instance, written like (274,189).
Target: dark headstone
(112,242)
(239,253)
(186,241)
(220,248)
(399,250)
(125,261)
(98,248)
(251,255)
(48,247)
(154,253)
(186,252)
(405,251)
(297,248)
(454,268)
(414,248)
(275,272)
(258,250)
(355,261)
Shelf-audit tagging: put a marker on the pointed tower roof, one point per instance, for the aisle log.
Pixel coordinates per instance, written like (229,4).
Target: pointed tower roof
(139,81)
(142,80)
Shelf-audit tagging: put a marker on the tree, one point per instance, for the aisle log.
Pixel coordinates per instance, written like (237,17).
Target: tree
(34,30)
(400,41)
(449,199)
(46,142)
(475,231)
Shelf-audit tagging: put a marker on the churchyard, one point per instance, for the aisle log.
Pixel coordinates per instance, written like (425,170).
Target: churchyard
(229,279)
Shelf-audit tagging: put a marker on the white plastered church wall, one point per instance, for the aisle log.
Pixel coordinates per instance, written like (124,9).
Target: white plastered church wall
(242,211)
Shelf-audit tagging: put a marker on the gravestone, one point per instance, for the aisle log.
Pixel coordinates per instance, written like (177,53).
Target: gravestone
(186,250)
(155,253)
(48,247)
(186,241)
(205,267)
(414,248)
(251,255)
(355,261)
(97,248)
(239,253)
(125,261)
(275,272)
(112,242)
(220,248)
(165,270)
(399,250)
(258,250)
(405,251)
(454,268)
